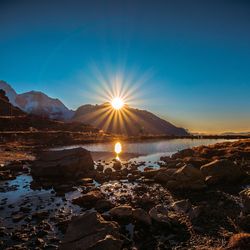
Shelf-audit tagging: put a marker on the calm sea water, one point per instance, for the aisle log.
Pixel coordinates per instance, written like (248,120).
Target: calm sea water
(147,150)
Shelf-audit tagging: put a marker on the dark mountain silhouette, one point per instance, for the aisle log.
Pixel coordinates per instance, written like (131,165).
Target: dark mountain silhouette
(6,108)
(130,121)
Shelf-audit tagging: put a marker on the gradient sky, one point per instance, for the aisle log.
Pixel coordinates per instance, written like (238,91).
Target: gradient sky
(193,56)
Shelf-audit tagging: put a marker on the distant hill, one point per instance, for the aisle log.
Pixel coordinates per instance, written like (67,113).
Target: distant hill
(37,103)
(135,121)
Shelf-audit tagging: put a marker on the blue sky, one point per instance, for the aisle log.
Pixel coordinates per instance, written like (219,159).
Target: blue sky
(195,55)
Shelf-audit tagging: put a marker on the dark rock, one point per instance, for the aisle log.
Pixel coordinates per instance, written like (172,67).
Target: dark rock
(222,170)
(91,231)
(240,241)
(245,197)
(159,214)
(89,199)
(121,212)
(72,163)
(141,216)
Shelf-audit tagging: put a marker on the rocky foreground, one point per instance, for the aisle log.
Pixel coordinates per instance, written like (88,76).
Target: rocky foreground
(197,199)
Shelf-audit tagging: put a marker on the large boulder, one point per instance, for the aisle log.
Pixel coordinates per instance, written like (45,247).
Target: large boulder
(71,163)
(91,231)
(221,170)
(186,177)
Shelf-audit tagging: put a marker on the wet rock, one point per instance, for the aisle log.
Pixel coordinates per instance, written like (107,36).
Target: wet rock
(121,212)
(159,214)
(245,197)
(71,163)
(221,170)
(91,231)
(141,216)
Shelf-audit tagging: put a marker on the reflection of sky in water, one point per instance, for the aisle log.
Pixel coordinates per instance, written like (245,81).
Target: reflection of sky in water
(150,150)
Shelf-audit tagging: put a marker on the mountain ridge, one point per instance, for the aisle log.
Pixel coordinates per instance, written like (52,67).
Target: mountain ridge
(134,122)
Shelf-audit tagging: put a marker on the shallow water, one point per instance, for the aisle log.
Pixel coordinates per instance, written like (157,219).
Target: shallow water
(148,151)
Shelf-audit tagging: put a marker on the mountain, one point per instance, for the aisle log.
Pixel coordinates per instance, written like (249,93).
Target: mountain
(134,121)
(6,108)
(37,103)
(129,121)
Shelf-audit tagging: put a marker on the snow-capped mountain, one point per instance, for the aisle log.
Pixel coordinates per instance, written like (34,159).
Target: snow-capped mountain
(37,103)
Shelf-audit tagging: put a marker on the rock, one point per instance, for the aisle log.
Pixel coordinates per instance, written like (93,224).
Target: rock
(17,217)
(40,215)
(164,175)
(183,153)
(240,241)
(71,163)
(121,212)
(159,214)
(91,231)
(151,173)
(245,197)
(221,170)
(109,243)
(117,165)
(194,212)
(186,177)
(142,216)
(182,206)
(108,171)
(103,205)
(99,167)
(89,199)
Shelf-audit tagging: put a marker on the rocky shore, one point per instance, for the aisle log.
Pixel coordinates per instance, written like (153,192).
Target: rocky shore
(198,198)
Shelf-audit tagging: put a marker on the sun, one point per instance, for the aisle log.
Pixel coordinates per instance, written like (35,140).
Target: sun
(117,103)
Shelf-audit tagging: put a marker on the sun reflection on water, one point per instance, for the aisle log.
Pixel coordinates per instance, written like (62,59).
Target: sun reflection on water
(118,150)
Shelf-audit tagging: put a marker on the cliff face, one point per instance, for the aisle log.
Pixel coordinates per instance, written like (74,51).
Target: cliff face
(6,108)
